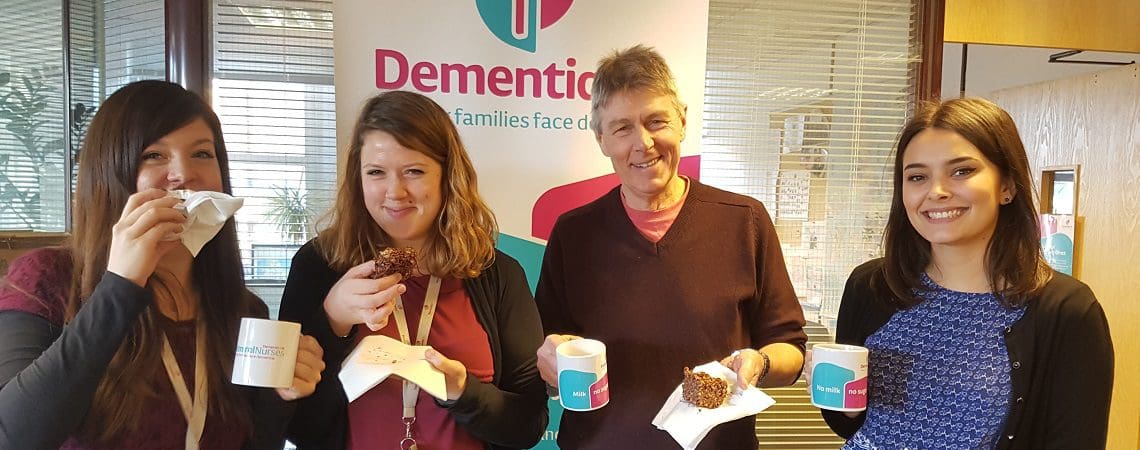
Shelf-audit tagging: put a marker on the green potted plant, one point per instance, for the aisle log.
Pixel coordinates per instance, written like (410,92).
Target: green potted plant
(289,210)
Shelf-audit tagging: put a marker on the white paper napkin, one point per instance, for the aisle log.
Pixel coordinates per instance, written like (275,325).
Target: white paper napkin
(378,356)
(688,424)
(206,213)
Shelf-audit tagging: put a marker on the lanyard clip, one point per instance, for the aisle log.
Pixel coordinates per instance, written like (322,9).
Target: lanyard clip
(408,442)
(408,421)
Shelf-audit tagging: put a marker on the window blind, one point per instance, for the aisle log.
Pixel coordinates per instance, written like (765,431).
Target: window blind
(273,90)
(32,164)
(86,41)
(111,42)
(803,102)
(134,43)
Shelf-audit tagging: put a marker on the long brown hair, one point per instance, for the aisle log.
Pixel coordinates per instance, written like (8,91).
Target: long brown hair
(462,243)
(1014,262)
(129,121)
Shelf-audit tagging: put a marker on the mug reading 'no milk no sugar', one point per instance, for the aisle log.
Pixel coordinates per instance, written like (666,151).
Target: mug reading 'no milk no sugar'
(583,383)
(839,377)
(266,353)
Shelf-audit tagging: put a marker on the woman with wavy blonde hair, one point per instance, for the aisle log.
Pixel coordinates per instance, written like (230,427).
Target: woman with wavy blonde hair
(408,183)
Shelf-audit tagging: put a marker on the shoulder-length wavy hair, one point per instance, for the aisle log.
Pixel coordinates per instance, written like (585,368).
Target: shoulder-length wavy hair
(129,121)
(462,243)
(1014,263)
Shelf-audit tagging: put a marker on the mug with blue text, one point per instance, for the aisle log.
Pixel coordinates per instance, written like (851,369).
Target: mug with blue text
(583,382)
(839,377)
(266,353)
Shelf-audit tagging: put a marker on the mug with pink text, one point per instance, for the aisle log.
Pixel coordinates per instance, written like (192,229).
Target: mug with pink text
(583,378)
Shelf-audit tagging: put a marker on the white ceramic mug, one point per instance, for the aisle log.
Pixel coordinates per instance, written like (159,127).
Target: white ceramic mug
(266,353)
(583,378)
(839,377)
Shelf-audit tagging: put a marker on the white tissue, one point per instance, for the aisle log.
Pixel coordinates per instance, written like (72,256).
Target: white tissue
(206,213)
(689,424)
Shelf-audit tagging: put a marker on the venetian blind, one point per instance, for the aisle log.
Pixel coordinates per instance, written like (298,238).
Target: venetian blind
(134,43)
(113,43)
(803,103)
(33,177)
(85,47)
(273,90)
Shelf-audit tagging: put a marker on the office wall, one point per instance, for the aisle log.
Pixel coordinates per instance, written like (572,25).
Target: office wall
(6,257)
(1094,120)
(1108,25)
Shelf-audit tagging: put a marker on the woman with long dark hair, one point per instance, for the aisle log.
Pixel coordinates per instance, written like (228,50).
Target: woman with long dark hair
(98,337)
(975,342)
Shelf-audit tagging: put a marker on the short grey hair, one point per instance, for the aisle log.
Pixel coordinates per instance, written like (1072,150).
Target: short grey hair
(635,68)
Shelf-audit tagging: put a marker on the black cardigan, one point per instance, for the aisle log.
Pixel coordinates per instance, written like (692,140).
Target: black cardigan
(1060,355)
(509,412)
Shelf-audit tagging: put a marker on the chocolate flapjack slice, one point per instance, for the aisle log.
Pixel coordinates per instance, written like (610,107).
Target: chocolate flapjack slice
(395,260)
(703,390)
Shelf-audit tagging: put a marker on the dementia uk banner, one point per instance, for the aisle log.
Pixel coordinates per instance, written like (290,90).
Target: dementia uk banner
(515,77)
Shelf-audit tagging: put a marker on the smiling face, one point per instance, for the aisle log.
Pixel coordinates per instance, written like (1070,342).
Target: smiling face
(641,133)
(952,193)
(402,188)
(184,159)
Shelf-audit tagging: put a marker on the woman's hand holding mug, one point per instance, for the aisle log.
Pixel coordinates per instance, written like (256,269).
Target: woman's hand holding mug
(307,371)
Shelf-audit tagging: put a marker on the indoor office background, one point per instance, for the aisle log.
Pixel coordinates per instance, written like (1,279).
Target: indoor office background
(803,101)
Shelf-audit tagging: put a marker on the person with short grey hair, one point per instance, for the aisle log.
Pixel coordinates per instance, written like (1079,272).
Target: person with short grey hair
(668,272)
(636,68)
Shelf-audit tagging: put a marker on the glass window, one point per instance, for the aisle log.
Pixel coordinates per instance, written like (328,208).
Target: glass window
(273,90)
(803,102)
(33,160)
(43,113)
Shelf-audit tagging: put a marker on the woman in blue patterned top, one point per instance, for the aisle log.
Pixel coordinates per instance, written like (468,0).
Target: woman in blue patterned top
(974,341)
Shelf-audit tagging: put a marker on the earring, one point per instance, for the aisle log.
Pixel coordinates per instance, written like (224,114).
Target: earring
(1005,201)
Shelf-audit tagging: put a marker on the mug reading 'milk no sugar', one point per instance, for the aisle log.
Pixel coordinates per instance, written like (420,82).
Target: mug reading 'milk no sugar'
(583,377)
(839,377)
(266,353)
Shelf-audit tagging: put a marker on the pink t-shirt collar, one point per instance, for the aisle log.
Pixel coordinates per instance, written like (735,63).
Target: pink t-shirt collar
(654,224)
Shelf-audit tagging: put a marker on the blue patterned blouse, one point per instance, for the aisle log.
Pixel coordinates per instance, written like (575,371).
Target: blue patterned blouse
(939,374)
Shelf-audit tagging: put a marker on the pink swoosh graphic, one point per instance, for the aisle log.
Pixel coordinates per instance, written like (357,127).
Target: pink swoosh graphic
(560,199)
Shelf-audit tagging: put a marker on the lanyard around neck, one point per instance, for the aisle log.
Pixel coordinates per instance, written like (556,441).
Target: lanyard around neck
(431,298)
(194,409)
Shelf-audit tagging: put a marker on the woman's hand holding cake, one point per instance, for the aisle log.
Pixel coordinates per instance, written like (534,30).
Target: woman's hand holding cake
(359,298)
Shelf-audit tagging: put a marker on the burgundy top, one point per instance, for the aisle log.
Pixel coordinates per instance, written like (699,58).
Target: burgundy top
(38,284)
(164,425)
(375,418)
